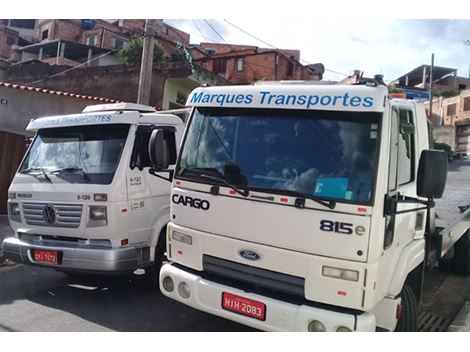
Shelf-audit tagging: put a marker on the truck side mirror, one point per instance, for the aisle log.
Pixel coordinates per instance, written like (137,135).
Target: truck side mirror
(162,148)
(432,174)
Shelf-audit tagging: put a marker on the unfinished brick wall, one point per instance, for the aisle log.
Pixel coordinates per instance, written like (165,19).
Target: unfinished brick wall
(8,37)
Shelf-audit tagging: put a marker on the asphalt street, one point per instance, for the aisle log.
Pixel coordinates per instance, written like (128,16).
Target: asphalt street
(38,299)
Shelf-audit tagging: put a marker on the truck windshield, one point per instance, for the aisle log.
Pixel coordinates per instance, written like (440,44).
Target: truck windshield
(321,154)
(79,154)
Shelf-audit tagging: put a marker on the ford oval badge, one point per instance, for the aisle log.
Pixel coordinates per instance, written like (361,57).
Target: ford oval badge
(250,255)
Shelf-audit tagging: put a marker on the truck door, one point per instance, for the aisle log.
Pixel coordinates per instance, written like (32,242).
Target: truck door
(400,229)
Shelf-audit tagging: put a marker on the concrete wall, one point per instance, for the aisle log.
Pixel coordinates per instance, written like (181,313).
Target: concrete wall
(117,82)
(172,87)
(19,106)
(445,134)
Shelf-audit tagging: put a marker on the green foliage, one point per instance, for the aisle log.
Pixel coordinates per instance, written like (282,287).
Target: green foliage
(445,147)
(132,53)
(450,93)
(176,55)
(394,90)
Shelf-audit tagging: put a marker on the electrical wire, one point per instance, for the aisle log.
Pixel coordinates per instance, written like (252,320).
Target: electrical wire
(248,65)
(273,46)
(70,69)
(200,32)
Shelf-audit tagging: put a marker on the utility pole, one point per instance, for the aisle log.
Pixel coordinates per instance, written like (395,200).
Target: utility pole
(145,78)
(430,86)
(467,42)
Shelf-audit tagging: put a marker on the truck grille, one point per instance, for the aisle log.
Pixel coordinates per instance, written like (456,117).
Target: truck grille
(66,215)
(256,277)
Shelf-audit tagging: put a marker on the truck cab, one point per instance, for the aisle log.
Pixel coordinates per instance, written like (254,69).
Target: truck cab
(300,207)
(83,199)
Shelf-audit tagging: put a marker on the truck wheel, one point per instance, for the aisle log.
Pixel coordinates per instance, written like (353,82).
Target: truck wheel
(152,273)
(461,261)
(408,320)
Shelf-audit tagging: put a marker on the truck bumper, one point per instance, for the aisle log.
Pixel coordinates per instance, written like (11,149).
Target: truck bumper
(280,316)
(97,260)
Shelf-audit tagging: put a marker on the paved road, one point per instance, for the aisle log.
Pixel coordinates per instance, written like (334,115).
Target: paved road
(37,299)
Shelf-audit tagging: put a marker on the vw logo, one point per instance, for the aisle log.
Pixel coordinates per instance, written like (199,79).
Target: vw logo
(250,255)
(49,214)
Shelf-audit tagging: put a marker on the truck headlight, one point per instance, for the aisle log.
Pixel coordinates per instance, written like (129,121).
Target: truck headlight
(14,211)
(98,213)
(338,273)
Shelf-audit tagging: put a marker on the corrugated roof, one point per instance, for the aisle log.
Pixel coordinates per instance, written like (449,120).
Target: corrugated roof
(54,92)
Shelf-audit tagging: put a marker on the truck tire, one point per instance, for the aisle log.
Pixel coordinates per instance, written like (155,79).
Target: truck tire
(152,273)
(408,320)
(461,260)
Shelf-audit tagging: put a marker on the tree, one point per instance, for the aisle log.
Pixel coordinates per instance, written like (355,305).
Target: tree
(131,54)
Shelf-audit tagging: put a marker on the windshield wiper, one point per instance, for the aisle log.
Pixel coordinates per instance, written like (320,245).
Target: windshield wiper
(72,169)
(217,177)
(242,192)
(43,172)
(300,201)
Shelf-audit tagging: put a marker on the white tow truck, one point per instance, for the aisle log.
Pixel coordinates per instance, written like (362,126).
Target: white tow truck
(302,207)
(83,199)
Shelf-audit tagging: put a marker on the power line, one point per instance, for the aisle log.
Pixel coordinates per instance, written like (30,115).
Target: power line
(200,32)
(273,46)
(70,69)
(248,65)
(207,22)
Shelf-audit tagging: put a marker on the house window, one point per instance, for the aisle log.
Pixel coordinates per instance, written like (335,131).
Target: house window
(117,43)
(466,104)
(451,109)
(239,64)
(220,66)
(210,51)
(181,98)
(45,34)
(91,40)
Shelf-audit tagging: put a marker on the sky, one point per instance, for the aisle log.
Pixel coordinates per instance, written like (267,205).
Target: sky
(391,47)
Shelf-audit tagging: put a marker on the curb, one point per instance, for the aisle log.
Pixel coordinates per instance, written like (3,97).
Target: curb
(461,322)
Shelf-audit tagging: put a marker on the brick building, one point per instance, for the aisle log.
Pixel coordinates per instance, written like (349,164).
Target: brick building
(453,115)
(242,64)
(110,35)
(445,79)
(8,38)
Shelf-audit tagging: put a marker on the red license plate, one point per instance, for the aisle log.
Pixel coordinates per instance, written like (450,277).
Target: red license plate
(243,306)
(41,256)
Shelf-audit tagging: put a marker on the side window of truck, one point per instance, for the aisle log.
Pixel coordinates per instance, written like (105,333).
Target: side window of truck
(406,145)
(392,171)
(140,154)
(401,169)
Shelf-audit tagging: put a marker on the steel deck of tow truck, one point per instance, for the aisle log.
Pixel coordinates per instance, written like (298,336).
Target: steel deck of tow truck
(456,193)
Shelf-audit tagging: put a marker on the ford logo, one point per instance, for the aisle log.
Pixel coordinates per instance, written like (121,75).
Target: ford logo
(250,255)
